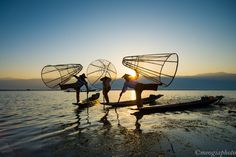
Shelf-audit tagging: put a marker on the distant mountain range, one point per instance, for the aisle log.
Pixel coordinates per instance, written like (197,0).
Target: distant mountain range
(217,81)
(210,81)
(218,76)
(22,84)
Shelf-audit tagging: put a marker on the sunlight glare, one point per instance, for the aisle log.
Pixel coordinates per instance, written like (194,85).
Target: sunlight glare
(132,73)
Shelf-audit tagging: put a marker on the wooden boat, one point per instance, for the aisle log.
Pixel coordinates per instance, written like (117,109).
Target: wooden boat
(203,102)
(88,102)
(148,100)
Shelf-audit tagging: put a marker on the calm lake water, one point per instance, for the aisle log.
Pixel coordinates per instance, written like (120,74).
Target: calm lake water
(46,123)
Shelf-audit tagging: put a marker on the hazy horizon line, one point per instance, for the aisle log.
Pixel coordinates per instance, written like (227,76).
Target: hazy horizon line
(210,73)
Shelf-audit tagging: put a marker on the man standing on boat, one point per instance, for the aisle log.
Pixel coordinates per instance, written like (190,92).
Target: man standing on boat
(106,87)
(131,82)
(77,85)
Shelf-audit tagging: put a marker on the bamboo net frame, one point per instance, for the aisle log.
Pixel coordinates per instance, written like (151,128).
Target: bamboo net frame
(53,75)
(158,68)
(99,69)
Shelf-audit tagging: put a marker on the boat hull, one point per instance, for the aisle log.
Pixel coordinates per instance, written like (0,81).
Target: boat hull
(205,101)
(148,100)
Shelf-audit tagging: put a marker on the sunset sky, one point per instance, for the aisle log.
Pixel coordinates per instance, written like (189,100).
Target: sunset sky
(34,33)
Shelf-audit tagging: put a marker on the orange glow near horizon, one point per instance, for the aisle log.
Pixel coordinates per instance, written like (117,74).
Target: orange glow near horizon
(132,72)
(37,74)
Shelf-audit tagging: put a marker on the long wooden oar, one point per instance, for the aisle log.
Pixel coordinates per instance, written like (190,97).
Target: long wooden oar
(119,99)
(116,110)
(87,98)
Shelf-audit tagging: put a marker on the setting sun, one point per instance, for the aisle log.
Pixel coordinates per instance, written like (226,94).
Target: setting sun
(132,72)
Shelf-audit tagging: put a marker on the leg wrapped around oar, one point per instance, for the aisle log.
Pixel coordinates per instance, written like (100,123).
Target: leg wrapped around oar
(105,93)
(139,89)
(78,95)
(66,86)
(150,86)
(138,92)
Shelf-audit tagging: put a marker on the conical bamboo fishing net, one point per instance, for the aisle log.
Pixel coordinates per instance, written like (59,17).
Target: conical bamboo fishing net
(53,75)
(159,68)
(99,69)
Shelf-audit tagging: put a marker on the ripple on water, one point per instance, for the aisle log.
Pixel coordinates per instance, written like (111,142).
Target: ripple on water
(47,124)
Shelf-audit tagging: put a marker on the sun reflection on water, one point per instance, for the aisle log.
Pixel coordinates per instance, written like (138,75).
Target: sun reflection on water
(49,119)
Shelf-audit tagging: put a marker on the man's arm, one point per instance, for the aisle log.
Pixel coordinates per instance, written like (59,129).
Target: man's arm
(76,77)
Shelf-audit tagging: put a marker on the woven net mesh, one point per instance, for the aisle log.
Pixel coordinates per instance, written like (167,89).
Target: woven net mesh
(53,75)
(159,68)
(99,69)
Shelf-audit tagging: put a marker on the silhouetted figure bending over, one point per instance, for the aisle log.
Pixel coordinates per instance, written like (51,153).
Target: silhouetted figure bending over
(77,85)
(106,87)
(131,82)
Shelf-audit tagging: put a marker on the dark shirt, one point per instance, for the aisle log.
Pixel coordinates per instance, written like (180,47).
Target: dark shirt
(80,82)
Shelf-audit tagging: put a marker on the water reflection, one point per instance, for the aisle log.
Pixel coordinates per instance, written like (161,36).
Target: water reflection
(117,116)
(87,116)
(104,120)
(138,116)
(78,112)
(107,123)
(35,123)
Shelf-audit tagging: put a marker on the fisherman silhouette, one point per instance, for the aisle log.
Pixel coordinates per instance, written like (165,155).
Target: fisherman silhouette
(77,85)
(106,87)
(131,82)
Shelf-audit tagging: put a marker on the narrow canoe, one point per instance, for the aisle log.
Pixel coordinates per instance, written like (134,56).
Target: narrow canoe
(88,102)
(203,102)
(148,100)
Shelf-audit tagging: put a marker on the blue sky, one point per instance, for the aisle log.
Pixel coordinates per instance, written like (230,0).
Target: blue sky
(34,33)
